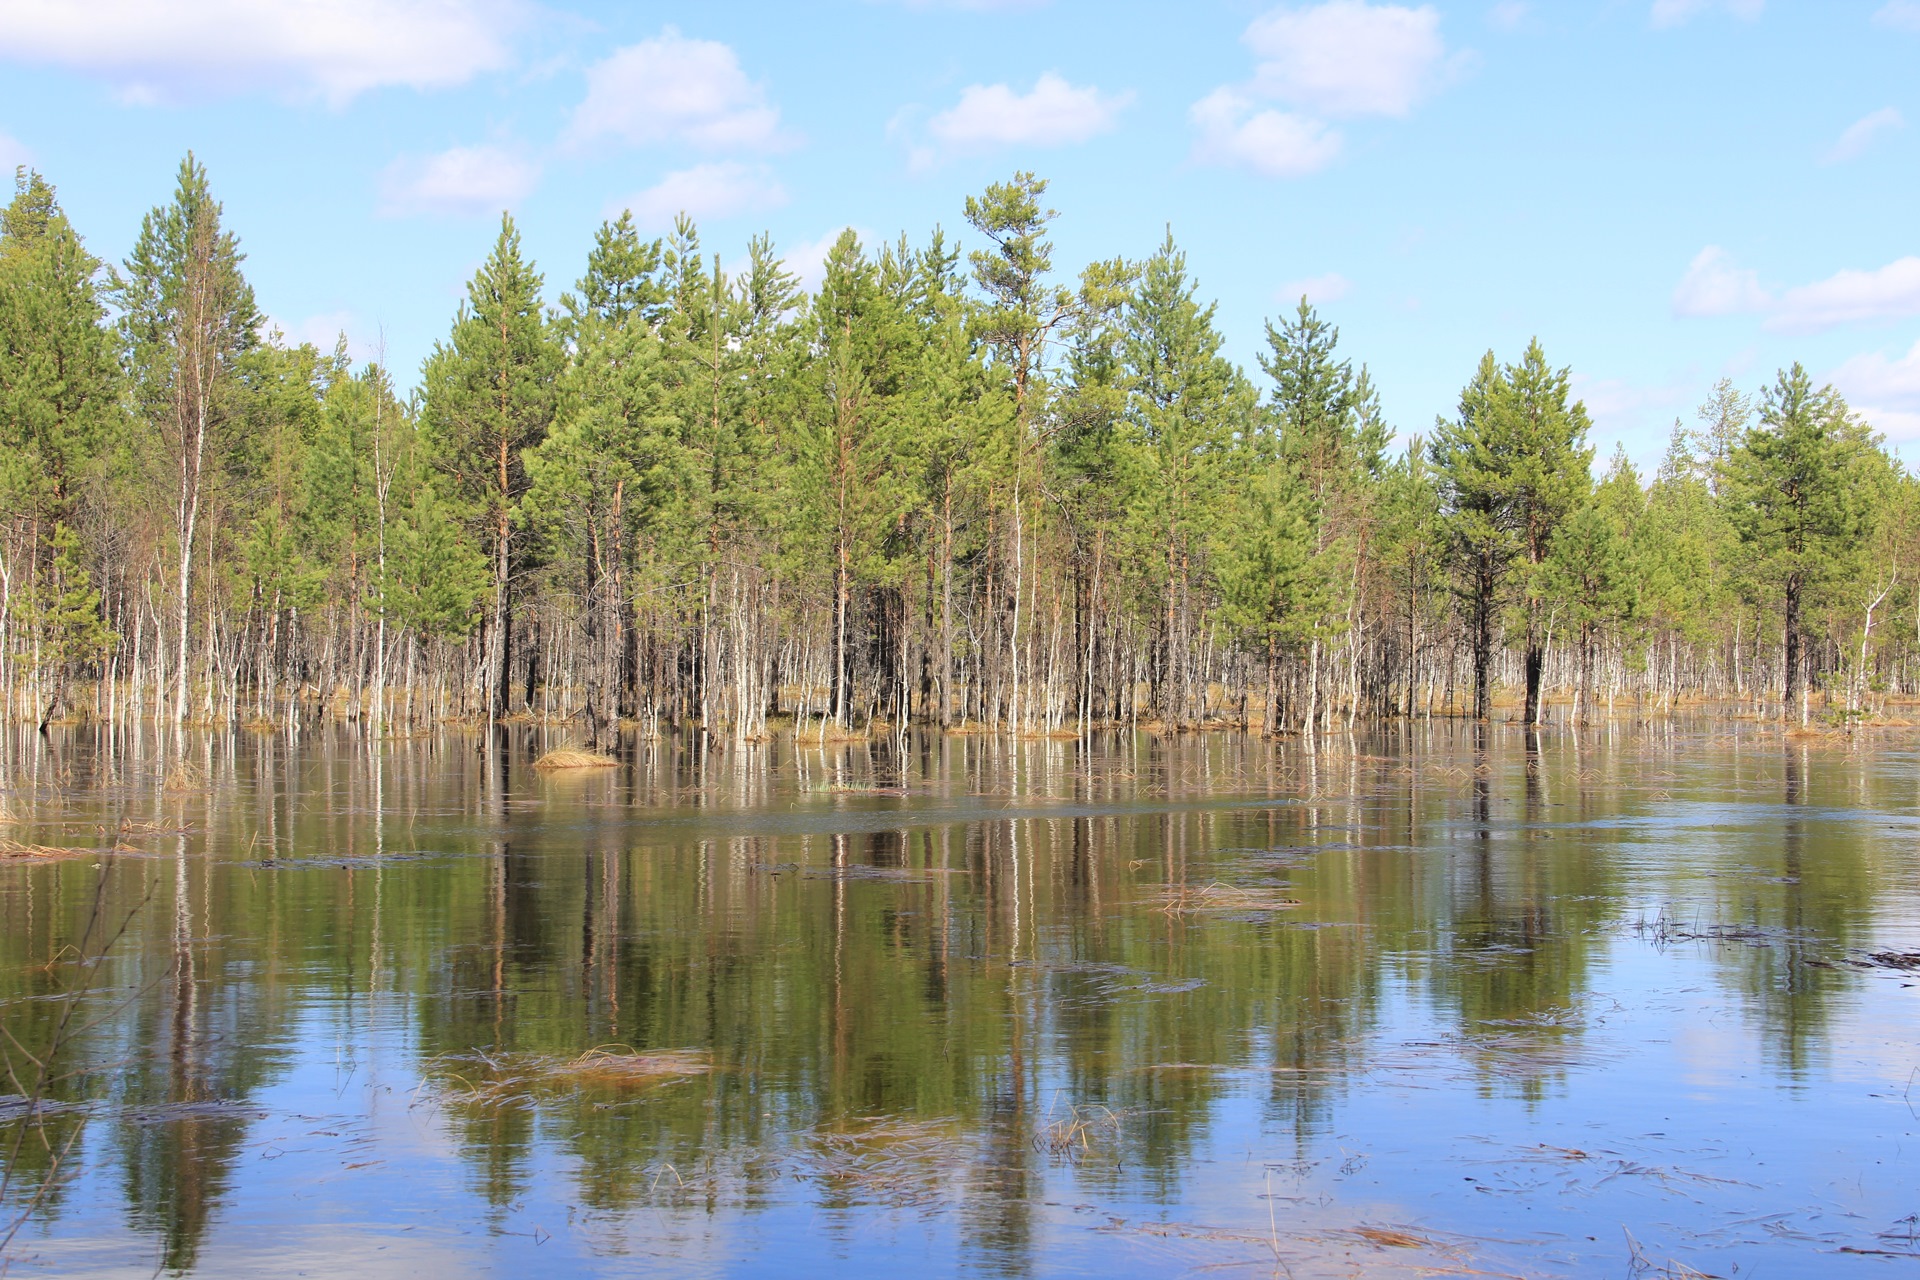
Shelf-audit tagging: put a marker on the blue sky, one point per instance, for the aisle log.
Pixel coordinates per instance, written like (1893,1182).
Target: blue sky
(1664,191)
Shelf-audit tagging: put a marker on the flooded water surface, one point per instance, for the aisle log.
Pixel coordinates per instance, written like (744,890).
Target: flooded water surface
(1638,1001)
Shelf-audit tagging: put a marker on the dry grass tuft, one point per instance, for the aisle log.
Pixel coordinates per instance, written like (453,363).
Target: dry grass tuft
(618,1065)
(887,1159)
(17,851)
(183,776)
(491,1080)
(574,758)
(1186,899)
(1074,1134)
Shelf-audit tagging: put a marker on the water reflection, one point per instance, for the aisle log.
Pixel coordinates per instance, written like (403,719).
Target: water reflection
(996,983)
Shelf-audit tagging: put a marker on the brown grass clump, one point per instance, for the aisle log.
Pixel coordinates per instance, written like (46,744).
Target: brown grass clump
(1392,1238)
(887,1159)
(17,851)
(574,758)
(1182,899)
(183,776)
(487,1079)
(619,1066)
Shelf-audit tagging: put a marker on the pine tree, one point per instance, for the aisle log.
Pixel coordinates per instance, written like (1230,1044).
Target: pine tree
(1412,549)
(1020,315)
(1325,425)
(614,463)
(58,372)
(1467,454)
(1187,407)
(59,382)
(1591,568)
(490,396)
(1795,502)
(69,618)
(1547,471)
(1267,587)
(853,443)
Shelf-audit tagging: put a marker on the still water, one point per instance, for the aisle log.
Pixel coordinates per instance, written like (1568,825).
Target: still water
(1636,1001)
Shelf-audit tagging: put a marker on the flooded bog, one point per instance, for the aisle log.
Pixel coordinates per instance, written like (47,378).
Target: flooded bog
(1639,1000)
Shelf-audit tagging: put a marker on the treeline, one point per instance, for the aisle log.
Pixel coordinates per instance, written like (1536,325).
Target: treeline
(947,487)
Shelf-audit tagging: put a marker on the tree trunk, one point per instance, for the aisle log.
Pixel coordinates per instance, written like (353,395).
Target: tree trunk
(1795,677)
(1483,641)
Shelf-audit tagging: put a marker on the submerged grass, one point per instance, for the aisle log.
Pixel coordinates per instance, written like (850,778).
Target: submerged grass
(483,1079)
(1186,899)
(887,1159)
(1074,1134)
(574,758)
(20,851)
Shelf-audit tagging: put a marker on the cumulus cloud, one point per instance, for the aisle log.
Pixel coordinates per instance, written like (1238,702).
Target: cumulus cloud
(1671,13)
(1901,15)
(706,191)
(1329,287)
(1052,113)
(1886,392)
(459,182)
(13,153)
(1891,292)
(1874,377)
(1716,285)
(1347,57)
(1278,144)
(1508,14)
(159,50)
(673,89)
(1341,58)
(1859,135)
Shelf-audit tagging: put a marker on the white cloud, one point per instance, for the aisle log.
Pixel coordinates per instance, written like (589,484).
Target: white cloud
(1347,57)
(1329,287)
(1891,292)
(324,330)
(1054,112)
(1617,404)
(974,6)
(1671,13)
(1276,143)
(1715,285)
(13,153)
(1338,58)
(1637,415)
(1859,135)
(461,181)
(1508,14)
(154,50)
(1874,377)
(672,89)
(1901,15)
(1885,392)
(706,191)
